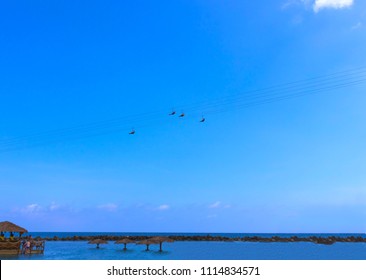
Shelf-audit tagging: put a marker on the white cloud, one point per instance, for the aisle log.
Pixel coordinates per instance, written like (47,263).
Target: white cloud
(318,5)
(163,207)
(108,207)
(357,26)
(32,208)
(36,208)
(290,3)
(215,205)
(333,4)
(53,206)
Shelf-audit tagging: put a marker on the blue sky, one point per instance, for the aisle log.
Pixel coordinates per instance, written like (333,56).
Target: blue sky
(77,76)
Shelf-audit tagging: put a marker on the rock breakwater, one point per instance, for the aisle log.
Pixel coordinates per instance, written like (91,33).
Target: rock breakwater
(315,239)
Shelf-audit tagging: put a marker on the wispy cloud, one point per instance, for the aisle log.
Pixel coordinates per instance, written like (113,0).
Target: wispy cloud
(331,4)
(356,26)
(54,206)
(35,208)
(32,208)
(108,207)
(318,5)
(215,205)
(289,3)
(163,207)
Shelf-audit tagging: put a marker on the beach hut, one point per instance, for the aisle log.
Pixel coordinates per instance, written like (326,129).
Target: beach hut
(10,245)
(124,241)
(97,241)
(10,227)
(160,240)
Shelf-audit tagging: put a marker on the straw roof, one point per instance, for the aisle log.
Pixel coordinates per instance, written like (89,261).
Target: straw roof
(97,241)
(147,242)
(10,227)
(160,239)
(124,241)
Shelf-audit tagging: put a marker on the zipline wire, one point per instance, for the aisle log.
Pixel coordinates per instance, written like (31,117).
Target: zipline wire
(247,99)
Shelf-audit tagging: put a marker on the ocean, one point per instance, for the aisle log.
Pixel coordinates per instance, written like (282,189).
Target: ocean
(197,250)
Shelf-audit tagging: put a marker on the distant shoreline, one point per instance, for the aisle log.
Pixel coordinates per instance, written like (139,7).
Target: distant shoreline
(315,239)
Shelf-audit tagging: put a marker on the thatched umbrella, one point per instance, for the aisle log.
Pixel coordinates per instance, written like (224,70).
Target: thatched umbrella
(124,241)
(97,241)
(147,242)
(10,227)
(160,240)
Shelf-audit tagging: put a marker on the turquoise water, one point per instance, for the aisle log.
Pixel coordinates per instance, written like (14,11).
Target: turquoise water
(71,234)
(199,250)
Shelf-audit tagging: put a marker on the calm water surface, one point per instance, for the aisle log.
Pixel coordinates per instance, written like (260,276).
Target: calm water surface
(199,250)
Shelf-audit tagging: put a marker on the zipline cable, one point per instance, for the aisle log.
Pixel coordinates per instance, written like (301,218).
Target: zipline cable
(247,99)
